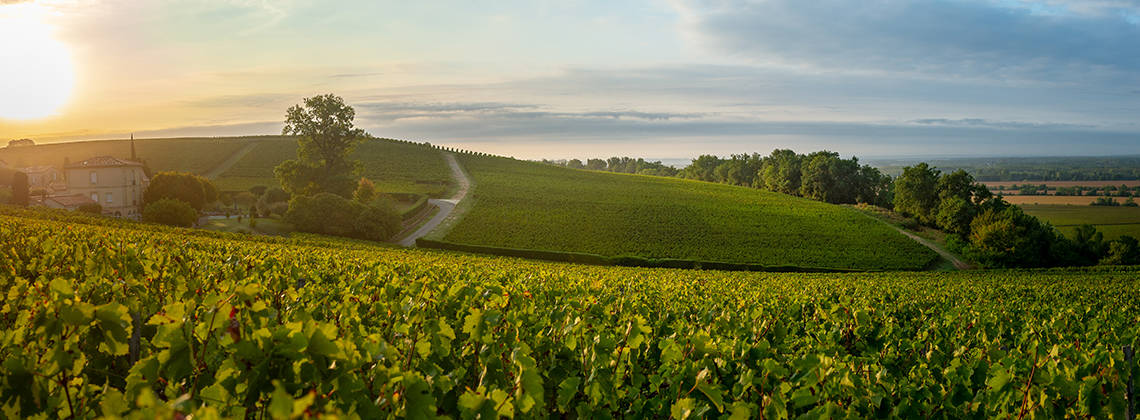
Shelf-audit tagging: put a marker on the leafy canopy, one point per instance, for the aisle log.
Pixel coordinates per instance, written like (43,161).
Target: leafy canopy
(326,137)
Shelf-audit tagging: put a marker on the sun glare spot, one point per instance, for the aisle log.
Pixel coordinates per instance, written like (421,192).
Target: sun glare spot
(36,71)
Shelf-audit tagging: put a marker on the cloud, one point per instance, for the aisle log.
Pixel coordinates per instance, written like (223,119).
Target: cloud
(964,38)
(390,111)
(984,123)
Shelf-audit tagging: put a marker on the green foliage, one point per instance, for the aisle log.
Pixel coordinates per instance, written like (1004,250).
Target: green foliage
(169,211)
(185,187)
(365,191)
(781,172)
(325,139)
(261,327)
(93,208)
(1011,238)
(526,205)
(330,214)
(1122,251)
(916,192)
(20,193)
(623,165)
(396,166)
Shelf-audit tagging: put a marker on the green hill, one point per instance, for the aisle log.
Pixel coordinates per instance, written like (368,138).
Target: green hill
(393,165)
(104,318)
(541,207)
(196,155)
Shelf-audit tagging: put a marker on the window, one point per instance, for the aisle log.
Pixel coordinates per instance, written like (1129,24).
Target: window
(94,178)
(95,197)
(109,198)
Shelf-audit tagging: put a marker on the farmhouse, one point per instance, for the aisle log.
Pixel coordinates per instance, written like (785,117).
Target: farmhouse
(116,184)
(45,178)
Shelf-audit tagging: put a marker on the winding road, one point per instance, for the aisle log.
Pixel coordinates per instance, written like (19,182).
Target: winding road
(446,205)
(959,264)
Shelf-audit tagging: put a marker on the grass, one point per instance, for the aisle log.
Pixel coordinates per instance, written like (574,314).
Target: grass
(196,155)
(394,166)
(534,206)
(1112,221)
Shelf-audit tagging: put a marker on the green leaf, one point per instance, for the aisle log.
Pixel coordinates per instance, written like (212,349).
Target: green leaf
(683,408)
(740,411)
(999,380)
(566,392)
(321,345)
(61,288)
(418,400)
(280,403)
(113,320)
(714,394)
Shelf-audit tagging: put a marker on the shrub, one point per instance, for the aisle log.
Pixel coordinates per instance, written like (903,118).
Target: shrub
(331,214)
(188,188)
(93,208)
(171,212)
(1122,251)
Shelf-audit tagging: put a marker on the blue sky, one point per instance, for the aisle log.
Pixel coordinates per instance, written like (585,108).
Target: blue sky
(661,79)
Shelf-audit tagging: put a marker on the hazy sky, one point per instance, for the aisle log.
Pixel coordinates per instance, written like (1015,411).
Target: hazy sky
(534,78)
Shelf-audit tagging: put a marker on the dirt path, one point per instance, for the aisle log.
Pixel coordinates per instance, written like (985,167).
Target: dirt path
(959,264)
(230,161)
(446,205)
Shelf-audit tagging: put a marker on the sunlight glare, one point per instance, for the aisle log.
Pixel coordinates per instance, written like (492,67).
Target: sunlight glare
(36,72)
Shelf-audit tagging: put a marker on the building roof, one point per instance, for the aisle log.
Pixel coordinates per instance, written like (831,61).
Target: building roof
(71,200)
(102,162)
(38,169)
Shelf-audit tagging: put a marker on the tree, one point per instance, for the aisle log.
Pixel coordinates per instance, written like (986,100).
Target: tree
(781,172)
(365,191)
(956,205)
(1011,238)
(326,138)
(1090,244)
(916,192)
(575,164)
(188,188)
(1122,251)
(595,164)
(20,193)
(171,212)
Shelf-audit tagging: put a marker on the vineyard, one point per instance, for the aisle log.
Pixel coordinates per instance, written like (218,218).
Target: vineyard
(525,205)
(394,166)
(196,155)
(105,318)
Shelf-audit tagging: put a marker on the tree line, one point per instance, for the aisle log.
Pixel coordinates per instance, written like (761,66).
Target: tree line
(624,165)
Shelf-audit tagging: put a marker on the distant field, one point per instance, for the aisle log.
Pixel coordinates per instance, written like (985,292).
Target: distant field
(534,206)
(197,155)
(393,165)
(1112,221)
(1065,200)
(1007,184)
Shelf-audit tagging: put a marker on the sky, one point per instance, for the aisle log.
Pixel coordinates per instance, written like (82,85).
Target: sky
(534,79)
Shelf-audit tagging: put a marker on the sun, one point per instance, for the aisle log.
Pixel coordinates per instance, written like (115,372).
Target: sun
(36,71)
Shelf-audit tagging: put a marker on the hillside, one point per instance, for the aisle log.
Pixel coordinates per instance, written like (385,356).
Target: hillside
(196,155)
(535,206)
(226,324)
(395,166)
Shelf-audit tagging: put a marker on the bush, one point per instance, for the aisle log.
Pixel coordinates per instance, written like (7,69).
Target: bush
(278,209)
(331,214)
(188,188)
(1122,251)
(93,208)
(171,212)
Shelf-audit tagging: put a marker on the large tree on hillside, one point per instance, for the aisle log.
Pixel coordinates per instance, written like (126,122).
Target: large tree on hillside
(326,138)
(188,188)
(781,172)
(916,192)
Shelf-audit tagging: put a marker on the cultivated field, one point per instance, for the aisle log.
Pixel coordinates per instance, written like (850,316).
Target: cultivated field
(196,155)
(217,324)
(541,207)
(1112,221)
(394,166)
(1063,200)
(1060,184)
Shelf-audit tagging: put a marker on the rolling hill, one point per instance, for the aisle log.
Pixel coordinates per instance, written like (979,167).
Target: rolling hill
(526,205)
